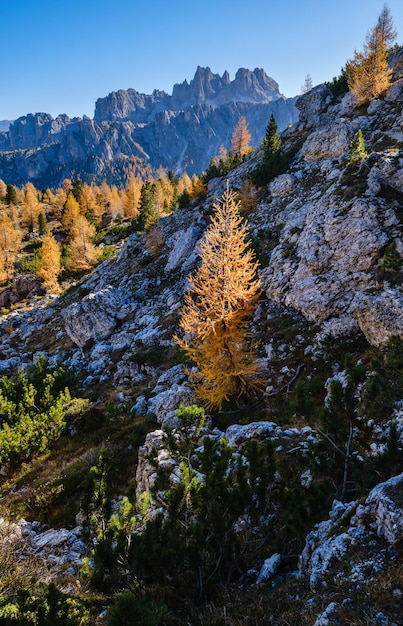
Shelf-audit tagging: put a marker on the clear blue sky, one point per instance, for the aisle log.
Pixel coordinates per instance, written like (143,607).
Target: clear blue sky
(59,56)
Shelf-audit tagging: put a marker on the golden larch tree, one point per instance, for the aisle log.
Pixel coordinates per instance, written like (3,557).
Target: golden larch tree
(198,188)
(240,140)
(49,265)
(71,213)
(218,306)
(59,200)
(89,205)
(3,189)
(10,240)
(30,208)
(184,183)
(82,253)
(131,197)
(222,155)
(368,73)
(114,206)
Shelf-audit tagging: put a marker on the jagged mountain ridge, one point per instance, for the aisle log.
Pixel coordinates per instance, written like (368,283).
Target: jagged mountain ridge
(180,132)
(204,88)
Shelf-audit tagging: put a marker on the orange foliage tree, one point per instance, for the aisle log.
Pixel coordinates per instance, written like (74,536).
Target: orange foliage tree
(82,253)
(240,140)
(218,306)
(30,208)
(10,240)
(368,74)
(49,265)
(71,212)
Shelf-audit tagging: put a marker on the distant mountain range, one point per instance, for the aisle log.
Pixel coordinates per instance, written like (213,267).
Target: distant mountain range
(130,130)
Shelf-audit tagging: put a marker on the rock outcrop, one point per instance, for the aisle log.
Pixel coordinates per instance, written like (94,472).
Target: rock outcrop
(378,520)
(24,285)
(96,316)
(61,550)
(335,223)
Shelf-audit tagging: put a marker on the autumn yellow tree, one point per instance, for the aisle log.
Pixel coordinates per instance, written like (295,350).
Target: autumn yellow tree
(71,213)
(240,140)
(222,155)
(3,189)
(184,184)
(218,306)
(10,239)
(131,197)
(89,205)
(48,197)
(247,196)
(30,208)
(59,200)
(82,253)
(368,73)
(49,265)
(198,188)
(114,207)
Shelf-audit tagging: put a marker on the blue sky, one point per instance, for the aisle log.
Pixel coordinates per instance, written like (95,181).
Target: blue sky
(59,57)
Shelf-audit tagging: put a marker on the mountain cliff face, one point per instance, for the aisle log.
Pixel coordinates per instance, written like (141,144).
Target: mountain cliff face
(205,88)
(321,231)
(181,131)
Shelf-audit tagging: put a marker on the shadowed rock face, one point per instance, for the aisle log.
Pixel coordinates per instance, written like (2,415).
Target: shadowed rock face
(181,131)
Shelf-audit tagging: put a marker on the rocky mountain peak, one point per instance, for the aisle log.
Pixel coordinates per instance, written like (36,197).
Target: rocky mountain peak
(180,132)
(204,88)
(214,89)
(256,85)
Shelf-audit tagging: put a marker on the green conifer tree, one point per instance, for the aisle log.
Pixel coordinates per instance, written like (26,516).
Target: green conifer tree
(42,226)
(358,150)
(11,195)
(272,160)
(148,211)
(392,260)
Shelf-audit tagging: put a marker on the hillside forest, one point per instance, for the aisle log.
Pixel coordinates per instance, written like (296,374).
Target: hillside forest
(201,390)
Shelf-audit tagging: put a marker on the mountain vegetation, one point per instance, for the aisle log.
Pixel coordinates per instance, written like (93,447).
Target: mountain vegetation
(221,298)
(201,417)
(368,74)
(59,234)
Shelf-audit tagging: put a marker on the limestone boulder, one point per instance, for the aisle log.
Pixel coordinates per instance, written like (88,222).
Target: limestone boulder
(313,105)
(182,246)
(328,143)
(165,403)
(146,473)
(97,315)
(356,532)
(25,285)
(380,316)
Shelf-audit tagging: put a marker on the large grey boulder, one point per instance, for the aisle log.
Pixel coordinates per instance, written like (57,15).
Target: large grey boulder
(24,285)
(328,143)
(97,315)
(380,316)
(312,107)
(352,525)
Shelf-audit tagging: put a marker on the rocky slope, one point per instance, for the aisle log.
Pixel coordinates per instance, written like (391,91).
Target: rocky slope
(181,131)
(321,231)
